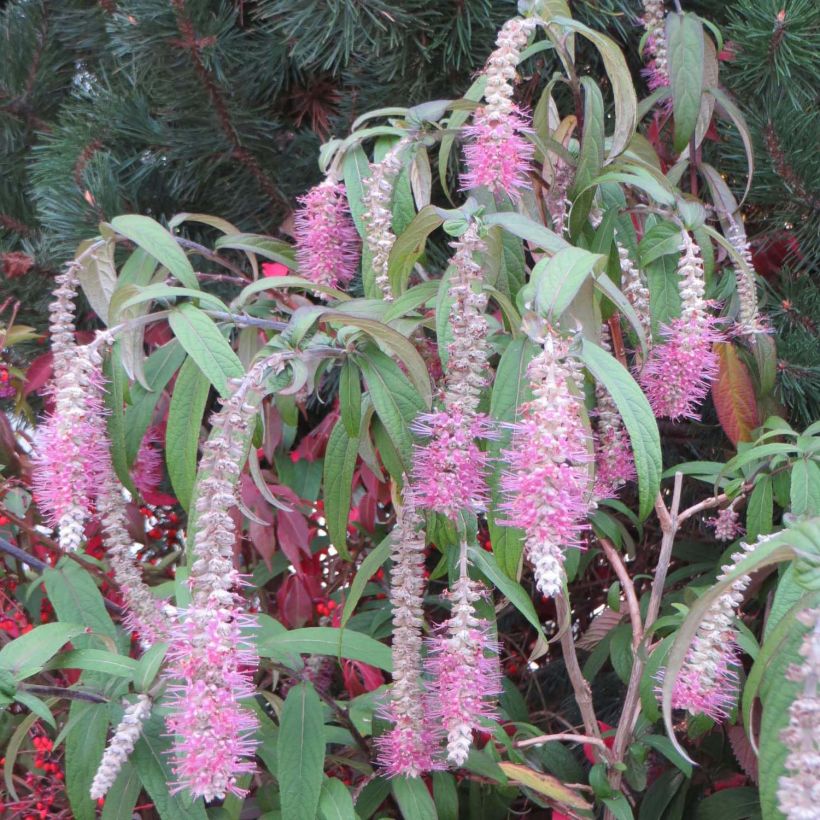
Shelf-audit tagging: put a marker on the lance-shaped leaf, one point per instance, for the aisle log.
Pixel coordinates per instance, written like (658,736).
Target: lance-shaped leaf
(684,36)
(154,239)
(591,157)
(733,393)
(638,418)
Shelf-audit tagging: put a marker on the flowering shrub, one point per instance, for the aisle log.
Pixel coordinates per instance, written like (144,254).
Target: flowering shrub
(402,516)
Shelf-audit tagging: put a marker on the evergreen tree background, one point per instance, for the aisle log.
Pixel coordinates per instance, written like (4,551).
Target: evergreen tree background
(164,106)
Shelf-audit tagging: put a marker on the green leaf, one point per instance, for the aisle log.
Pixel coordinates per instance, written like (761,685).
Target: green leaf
(160,366)
(335,802)
(734,113)
(392,343)
(558,279)
(527,229)
(413,798)
(340,462)
(510,390)
(132,296)
(148,666)
(75,596)
(623,90)
(123,795)
(96,660)
(154,239)
(204,343)
(152,760)
(445,795)
(409,246)
(663,745)
(326,640)
(516,594)
(286,283)
(730,804)
(350,398)
(760,510)
(84,747)
(266,246)
(619,807)
(29,653)
(805,488)
(368,568)
(684,37)
(114,400)
(395,400)
(591,157)
(638,418)
(97,275)
(301,753)
(35,706)
(184,425)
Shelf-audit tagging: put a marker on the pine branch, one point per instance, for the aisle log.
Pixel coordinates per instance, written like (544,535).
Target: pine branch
(193,45)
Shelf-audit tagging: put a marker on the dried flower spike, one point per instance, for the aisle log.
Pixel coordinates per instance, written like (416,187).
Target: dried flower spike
(120,746)
(748,321)
(654,21)
(377,198)
(408,748)
(327,244)
(797,795)
(679,372)
(546,483)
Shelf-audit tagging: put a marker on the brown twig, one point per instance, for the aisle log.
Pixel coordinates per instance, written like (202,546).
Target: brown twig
(580,685)
(563,736)
(629,591)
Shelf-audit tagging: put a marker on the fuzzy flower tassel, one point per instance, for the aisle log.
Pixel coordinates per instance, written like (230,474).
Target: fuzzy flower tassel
(212,662)
(449,471)
(327,244)
(546,482)
(678,373)
(407,749)
(798,794)
(68,448)
(121,745)
(707,682)
(466,676)
(499,155)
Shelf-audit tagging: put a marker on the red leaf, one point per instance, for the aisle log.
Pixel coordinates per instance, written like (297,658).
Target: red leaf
(38,373)
(294,536)
(734,395)
(360,677)
(294,602)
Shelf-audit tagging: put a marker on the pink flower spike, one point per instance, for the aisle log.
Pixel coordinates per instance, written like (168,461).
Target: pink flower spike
(546,485)
(449,472)
(498,155)
(147,470)
(678,373)
(214,743)
(715,695)
(466,677)
(727,525)
(614,461)
(327,243)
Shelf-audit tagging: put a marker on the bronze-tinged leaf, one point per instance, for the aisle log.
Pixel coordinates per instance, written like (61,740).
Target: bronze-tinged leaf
(733,393)
(545,784)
